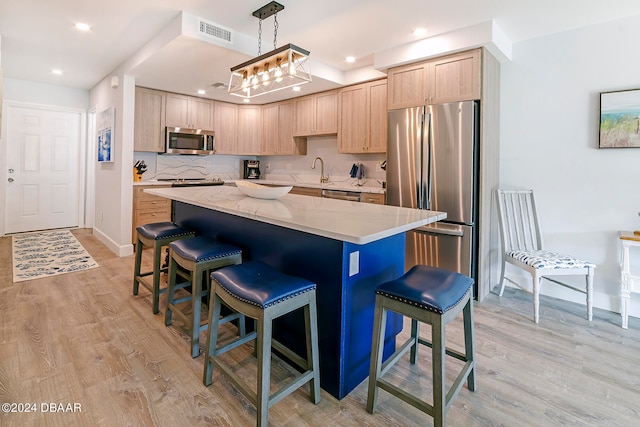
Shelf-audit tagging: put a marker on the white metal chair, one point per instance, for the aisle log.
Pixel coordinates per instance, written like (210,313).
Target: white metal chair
(522,245)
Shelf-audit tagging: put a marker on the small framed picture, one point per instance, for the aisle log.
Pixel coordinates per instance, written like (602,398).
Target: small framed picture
(104,129)
(620,119)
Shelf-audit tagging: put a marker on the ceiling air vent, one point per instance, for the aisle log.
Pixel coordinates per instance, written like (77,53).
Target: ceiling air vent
(215,31)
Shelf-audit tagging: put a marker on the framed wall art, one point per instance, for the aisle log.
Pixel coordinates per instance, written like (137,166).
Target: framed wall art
(104,129)
(620,119)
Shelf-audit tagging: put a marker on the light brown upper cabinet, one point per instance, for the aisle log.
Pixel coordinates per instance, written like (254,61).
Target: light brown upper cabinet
(148,132)
(277,130)
(225,126)
(451,78)
(189,112)
(249,138)
(316,115)
(362,118)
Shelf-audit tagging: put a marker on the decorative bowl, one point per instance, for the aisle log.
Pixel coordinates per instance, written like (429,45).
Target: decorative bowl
(258,191)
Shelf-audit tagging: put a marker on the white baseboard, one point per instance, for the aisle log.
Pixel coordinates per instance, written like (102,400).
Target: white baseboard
(119,250)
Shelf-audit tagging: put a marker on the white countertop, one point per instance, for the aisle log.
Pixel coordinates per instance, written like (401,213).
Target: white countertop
(353,222)
(344,185)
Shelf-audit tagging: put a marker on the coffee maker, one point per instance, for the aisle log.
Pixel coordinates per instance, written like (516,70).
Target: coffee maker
(250,169)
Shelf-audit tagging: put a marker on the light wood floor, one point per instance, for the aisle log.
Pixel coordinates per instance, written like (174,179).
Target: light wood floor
(83,338)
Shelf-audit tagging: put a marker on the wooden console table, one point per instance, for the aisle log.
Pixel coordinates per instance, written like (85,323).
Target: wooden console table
(629,283)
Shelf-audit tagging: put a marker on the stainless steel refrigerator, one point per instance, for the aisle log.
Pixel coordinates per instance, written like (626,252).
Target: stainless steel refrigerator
(432,163)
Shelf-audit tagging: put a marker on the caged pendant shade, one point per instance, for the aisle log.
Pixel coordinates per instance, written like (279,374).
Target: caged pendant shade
(283,67)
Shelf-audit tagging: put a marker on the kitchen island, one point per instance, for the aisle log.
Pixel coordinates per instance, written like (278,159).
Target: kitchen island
(346,248)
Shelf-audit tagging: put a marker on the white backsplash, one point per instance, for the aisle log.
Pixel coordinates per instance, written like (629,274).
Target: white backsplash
(295,168)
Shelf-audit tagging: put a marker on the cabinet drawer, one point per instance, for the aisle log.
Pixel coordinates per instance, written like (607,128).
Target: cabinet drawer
(306,191)
(372,198)
(151,215)
(153,203)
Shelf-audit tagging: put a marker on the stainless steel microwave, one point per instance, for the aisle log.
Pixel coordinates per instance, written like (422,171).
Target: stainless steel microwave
(189,141)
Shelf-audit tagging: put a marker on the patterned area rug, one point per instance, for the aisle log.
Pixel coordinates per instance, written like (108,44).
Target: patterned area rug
(48,253)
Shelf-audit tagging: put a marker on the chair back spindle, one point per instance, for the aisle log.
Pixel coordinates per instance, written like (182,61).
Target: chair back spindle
(518,220)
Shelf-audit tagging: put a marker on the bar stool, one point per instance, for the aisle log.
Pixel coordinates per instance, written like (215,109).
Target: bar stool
(155,235)
(197,256)
(433,296)
(262,293)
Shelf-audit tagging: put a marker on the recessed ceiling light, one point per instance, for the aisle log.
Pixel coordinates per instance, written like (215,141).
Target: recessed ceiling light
(246,100)
(296,89)
(201,92)
(56,72)
(350,59)
(82,26)
(420,32)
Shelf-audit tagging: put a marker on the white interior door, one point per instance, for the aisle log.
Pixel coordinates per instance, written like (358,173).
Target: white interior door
(43,169)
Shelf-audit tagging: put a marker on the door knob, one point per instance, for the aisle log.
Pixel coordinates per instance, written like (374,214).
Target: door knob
(10,180)
(11,170)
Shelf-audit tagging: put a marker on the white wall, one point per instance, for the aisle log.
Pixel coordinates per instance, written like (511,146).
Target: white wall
(549,139)
(113,181)
(44,94)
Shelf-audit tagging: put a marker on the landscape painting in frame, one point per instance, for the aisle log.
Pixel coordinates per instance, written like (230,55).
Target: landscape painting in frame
(104,128)
(620,119)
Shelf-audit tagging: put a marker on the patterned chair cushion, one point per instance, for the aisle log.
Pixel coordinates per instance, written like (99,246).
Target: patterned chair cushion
(545,259)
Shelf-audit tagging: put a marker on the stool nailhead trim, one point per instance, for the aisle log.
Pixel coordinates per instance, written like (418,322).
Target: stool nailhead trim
(279,300)
(426,307)
(226,254)
(187,233)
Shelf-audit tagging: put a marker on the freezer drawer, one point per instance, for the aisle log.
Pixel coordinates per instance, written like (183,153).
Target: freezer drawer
(441,245)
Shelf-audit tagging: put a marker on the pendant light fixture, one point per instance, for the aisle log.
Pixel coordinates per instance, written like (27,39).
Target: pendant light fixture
(283,67)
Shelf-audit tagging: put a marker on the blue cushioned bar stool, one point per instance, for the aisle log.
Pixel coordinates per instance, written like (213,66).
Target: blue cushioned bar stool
(433,296)
(263,293)
(196,257)
(155,235)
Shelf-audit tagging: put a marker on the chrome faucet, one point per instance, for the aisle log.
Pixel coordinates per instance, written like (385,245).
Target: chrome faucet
(313,166)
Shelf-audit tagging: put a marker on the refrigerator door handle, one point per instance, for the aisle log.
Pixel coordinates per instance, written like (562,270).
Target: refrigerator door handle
(429,160)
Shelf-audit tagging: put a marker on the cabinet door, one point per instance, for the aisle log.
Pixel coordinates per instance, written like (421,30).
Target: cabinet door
(408,85)
(377,120)
(326,106)
(304,116)
(249,129)
(455,77)
(225,125)
(269,129)
(287,144)
(148,133)
(201,113)
(352,122)
(177,110)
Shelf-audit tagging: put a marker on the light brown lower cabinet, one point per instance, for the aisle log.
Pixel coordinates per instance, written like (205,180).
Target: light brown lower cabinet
(148,208)
(372,198)
(307,191)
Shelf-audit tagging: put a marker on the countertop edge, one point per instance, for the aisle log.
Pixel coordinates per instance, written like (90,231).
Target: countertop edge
(317,230)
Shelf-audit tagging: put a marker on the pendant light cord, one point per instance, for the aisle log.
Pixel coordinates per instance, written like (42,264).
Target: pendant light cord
(259,37)
(275,31)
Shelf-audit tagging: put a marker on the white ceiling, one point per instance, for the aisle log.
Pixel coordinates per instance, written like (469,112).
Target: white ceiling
(38,35)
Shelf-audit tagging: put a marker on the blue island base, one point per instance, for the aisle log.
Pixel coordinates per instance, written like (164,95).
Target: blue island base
(346,276)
